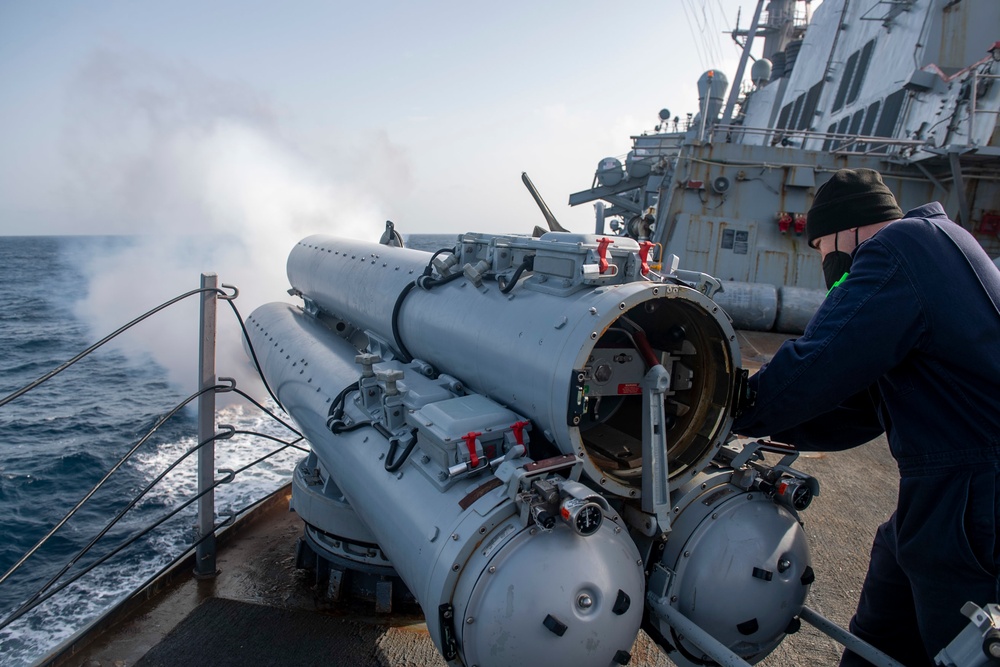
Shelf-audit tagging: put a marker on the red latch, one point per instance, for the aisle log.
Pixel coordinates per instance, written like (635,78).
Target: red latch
(800,223)
(644,249)
(602,253)
(518,429)
(470,442)
(784,222)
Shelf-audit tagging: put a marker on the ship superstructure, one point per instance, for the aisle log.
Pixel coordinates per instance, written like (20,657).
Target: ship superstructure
(907,87)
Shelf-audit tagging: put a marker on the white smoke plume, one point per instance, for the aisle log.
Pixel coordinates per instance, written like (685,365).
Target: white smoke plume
(199,171)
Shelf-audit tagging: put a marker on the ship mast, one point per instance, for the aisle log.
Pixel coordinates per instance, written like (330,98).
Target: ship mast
(778,29)
(727,115)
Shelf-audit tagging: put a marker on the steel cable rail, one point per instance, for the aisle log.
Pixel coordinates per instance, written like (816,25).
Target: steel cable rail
(226,522)
(228,432)
(96,487)
(266,411)
(48,376)
(230,387)
(226,384)
(38,599)
(230,298)
(25,606)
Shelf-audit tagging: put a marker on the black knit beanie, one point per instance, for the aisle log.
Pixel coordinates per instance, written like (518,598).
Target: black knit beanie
(852,198)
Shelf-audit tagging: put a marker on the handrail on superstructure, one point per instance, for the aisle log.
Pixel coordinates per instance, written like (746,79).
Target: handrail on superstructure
(207,481)
(976,75)
(668,144)
(779,135)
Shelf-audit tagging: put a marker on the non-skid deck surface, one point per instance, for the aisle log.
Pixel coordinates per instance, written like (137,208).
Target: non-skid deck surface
(221,632)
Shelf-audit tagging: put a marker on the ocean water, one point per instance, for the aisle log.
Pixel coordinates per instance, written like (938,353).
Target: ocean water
(60,439)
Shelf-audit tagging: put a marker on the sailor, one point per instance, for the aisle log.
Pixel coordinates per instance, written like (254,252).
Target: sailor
(906,342)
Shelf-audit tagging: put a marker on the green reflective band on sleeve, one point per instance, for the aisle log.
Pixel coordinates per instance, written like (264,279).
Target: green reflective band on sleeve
(842,279)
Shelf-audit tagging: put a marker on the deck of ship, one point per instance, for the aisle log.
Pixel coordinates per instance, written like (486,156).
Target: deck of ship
(260,610)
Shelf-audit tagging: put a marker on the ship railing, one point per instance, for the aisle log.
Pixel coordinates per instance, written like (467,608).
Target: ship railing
(838,143)
(974,99)
(869,145)
(656,145)
(208,433)
(774,19)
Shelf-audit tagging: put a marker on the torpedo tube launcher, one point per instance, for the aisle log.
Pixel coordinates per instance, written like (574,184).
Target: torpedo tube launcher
(531,434)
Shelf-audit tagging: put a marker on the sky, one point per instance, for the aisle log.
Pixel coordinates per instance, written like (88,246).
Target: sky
(136,117)
(221,133)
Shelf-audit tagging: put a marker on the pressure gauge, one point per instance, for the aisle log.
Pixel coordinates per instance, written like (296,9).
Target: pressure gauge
(583,516)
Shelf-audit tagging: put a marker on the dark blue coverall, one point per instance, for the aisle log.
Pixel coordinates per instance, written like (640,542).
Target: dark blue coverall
(908,344)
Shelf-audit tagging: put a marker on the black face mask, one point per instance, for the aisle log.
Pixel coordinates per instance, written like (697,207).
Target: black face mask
(837,263)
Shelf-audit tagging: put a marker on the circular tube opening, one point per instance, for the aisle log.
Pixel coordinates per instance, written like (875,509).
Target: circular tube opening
(694,343)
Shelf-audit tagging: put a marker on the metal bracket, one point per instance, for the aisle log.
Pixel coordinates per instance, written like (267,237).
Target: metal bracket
(446,619)
(702,282)
(655,467)
(748,450)
(228,431)
(578,397)
(517,478)
(229,297)
(978,643)
(222,385)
